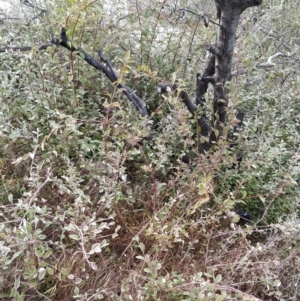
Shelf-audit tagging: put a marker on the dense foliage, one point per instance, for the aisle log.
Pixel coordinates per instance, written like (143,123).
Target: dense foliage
(95,205)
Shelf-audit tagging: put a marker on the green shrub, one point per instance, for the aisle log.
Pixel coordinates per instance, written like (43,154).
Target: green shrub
(95,205)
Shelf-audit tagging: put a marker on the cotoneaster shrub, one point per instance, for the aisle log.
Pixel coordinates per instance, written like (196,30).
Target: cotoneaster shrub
(94,205)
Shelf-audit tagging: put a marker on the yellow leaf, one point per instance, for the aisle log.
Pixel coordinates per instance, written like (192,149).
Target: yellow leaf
(203,199)
(174,77)
(127,55)
(144,68)
(124,69)
(115,104)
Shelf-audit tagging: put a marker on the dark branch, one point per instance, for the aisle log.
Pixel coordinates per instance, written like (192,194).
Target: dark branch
(218,8)
(107,69)
(187,101)
(239,4)
(24,48)
(234,143)
(248,3)
(239,122)
(108,63)
(183,95)
(208,80)
(166,87)
(202,84)
(169,87)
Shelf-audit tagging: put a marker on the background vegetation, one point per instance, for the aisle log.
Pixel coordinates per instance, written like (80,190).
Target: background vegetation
(94,205)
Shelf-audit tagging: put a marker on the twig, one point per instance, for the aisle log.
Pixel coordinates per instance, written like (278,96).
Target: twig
(270,63)
(91,264)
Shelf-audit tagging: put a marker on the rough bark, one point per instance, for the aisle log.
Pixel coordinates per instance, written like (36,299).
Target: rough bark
(202,84)
(217,72)
(229,12)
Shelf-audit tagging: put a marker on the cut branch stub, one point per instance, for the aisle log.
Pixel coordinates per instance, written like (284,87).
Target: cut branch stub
(183,95)
(202,83)
(214,50)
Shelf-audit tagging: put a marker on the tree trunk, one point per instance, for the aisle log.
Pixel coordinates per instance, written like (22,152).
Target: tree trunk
(228,12)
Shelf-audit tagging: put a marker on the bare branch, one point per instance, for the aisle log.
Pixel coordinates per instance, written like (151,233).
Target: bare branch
(108,63)
(242,4)
(24,48)
(202,83)
(248,3)
(107,69)
(169,87)
(270,63)
(205,129)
